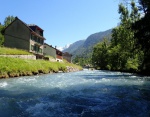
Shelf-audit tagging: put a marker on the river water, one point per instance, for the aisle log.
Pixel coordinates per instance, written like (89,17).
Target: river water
(77,94)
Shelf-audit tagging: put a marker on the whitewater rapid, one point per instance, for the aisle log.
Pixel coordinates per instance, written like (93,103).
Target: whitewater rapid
(78,94)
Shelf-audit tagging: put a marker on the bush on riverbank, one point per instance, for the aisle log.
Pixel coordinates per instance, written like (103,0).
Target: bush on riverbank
(14,67)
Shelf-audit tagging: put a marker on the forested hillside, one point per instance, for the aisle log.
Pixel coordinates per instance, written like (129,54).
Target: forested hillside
(73,47)
(83,48)
(129,49)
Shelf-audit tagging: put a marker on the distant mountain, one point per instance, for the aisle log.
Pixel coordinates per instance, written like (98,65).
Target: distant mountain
(85,47)
(66,46)
(96,37)
(73,47)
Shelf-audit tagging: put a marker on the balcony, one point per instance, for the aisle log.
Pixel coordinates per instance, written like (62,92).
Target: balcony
(36,39)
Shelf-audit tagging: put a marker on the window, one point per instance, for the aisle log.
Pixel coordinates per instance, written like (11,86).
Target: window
(40,50)
(35,38)
(35,48)
(32,37)
(38,40)
(32,47)
(41,33)
(41,41)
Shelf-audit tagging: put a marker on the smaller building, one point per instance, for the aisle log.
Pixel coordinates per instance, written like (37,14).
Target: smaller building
(59,55)
(49,50)
(67,56)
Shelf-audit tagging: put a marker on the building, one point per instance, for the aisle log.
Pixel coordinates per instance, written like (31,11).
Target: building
(67,56)
(49,50)
(59,55)
(27,37)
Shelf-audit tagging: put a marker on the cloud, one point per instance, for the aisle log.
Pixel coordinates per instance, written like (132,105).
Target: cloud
(62,48)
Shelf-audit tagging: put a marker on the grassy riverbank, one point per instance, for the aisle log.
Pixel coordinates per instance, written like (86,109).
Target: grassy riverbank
(12,51)
(15,67)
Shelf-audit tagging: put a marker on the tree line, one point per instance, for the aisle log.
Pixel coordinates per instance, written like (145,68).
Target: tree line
(129,48)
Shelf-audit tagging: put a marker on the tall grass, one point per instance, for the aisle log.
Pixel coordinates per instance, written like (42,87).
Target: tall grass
(14,67)
(12,51)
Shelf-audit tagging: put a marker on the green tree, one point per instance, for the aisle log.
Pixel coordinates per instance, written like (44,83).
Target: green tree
(121,53)
(142,33)
(82,61)
(122,47)
(1,36)
(100,55)
(8,20)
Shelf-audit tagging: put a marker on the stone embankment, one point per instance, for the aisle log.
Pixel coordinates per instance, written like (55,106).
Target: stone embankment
(71,69)
(33,57)
(39,72)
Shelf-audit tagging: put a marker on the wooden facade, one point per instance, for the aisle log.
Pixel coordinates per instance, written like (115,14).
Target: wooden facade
(22,36)
(67,56)
(29,37)
(59,55)
(49,50)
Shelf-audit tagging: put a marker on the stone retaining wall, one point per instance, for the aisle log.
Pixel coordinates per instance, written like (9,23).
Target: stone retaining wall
(33,57)
(71,69)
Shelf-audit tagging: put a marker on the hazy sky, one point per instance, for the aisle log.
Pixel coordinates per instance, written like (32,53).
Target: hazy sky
(64,21)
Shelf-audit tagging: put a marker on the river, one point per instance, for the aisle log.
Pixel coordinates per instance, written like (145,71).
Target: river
(78,94)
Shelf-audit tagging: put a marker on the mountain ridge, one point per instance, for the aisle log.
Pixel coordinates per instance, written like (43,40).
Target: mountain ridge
(85,47)
(74,46)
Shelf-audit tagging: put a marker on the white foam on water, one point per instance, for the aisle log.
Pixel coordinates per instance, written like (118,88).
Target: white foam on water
(71,80)
(26,79)
(133,76)
(76,80)
(3,84)
(47,94)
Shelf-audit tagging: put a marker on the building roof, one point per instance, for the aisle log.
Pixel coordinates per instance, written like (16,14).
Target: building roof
(33,25)
(58,50)
(33,32)
(53,47)
(49,45)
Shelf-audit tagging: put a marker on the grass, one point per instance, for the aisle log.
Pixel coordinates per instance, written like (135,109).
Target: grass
(12,51)
(14,67)
(50,58)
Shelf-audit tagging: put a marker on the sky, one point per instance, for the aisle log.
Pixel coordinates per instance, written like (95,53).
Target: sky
(64,21)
